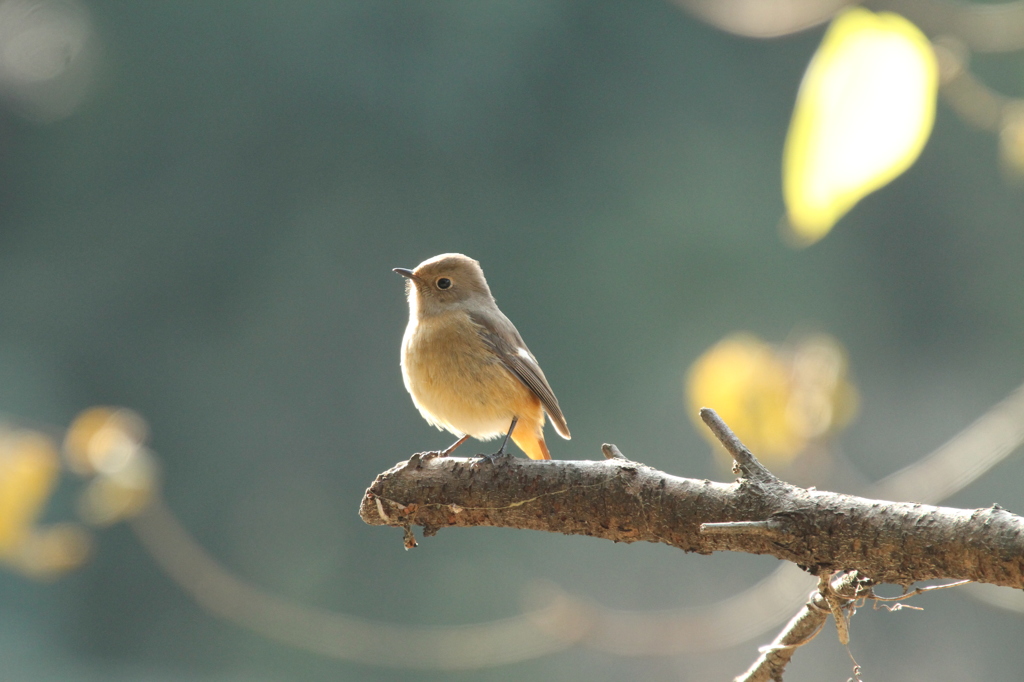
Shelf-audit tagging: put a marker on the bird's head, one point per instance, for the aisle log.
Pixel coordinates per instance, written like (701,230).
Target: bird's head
(445,281)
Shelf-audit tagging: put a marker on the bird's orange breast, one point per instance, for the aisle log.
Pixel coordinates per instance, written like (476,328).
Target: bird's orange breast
(457,382)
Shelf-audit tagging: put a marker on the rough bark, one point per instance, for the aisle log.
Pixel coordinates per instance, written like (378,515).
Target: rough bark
(625,501)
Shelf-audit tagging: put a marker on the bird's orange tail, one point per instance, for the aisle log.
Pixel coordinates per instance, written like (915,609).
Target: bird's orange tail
(530,443)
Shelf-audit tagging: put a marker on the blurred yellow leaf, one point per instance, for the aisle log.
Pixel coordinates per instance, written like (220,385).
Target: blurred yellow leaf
(863,114)
(28,473)
(121,493)
(776,399)
(742,380)
(102,439)
(29,467)
(107,444)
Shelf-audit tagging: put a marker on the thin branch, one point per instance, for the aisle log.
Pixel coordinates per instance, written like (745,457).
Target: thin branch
(836,596)
(712,627)
(832,597)
(920,590)
(748,465)
(554,627)
(962,459)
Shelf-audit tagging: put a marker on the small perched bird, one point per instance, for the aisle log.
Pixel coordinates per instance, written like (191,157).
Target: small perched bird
(465,365)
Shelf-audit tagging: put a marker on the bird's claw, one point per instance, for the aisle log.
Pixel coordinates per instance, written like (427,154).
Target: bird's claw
(491,459)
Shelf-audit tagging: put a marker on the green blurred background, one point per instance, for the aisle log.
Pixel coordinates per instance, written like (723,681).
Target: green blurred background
(208,239)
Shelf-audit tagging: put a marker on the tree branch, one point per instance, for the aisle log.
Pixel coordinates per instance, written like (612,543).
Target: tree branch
(625,501)
(848,542)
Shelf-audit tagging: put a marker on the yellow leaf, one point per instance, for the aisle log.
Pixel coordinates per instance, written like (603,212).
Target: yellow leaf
(28,474)
(119,494)
(777,399)
(742,379)
(103,438)
(863,114)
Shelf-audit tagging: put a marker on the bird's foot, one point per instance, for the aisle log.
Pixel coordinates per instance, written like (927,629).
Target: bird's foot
(492,459)
(500,454)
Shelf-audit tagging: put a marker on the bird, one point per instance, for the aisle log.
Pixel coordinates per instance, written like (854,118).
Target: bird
(465,364)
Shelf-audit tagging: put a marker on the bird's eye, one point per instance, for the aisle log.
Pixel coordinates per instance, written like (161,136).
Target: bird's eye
(443,283)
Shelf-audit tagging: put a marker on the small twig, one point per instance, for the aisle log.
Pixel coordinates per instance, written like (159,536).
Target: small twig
(920,590)
(898,607)
(612,452)
(408,539)
(748,465)
(836,604)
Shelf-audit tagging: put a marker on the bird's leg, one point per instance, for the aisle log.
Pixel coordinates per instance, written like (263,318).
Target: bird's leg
(447,451)
(451,448)
(501,451)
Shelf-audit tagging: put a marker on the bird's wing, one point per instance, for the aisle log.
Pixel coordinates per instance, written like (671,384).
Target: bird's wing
(501,335)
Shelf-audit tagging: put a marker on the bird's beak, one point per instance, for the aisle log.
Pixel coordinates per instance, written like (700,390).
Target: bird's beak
(404,272)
